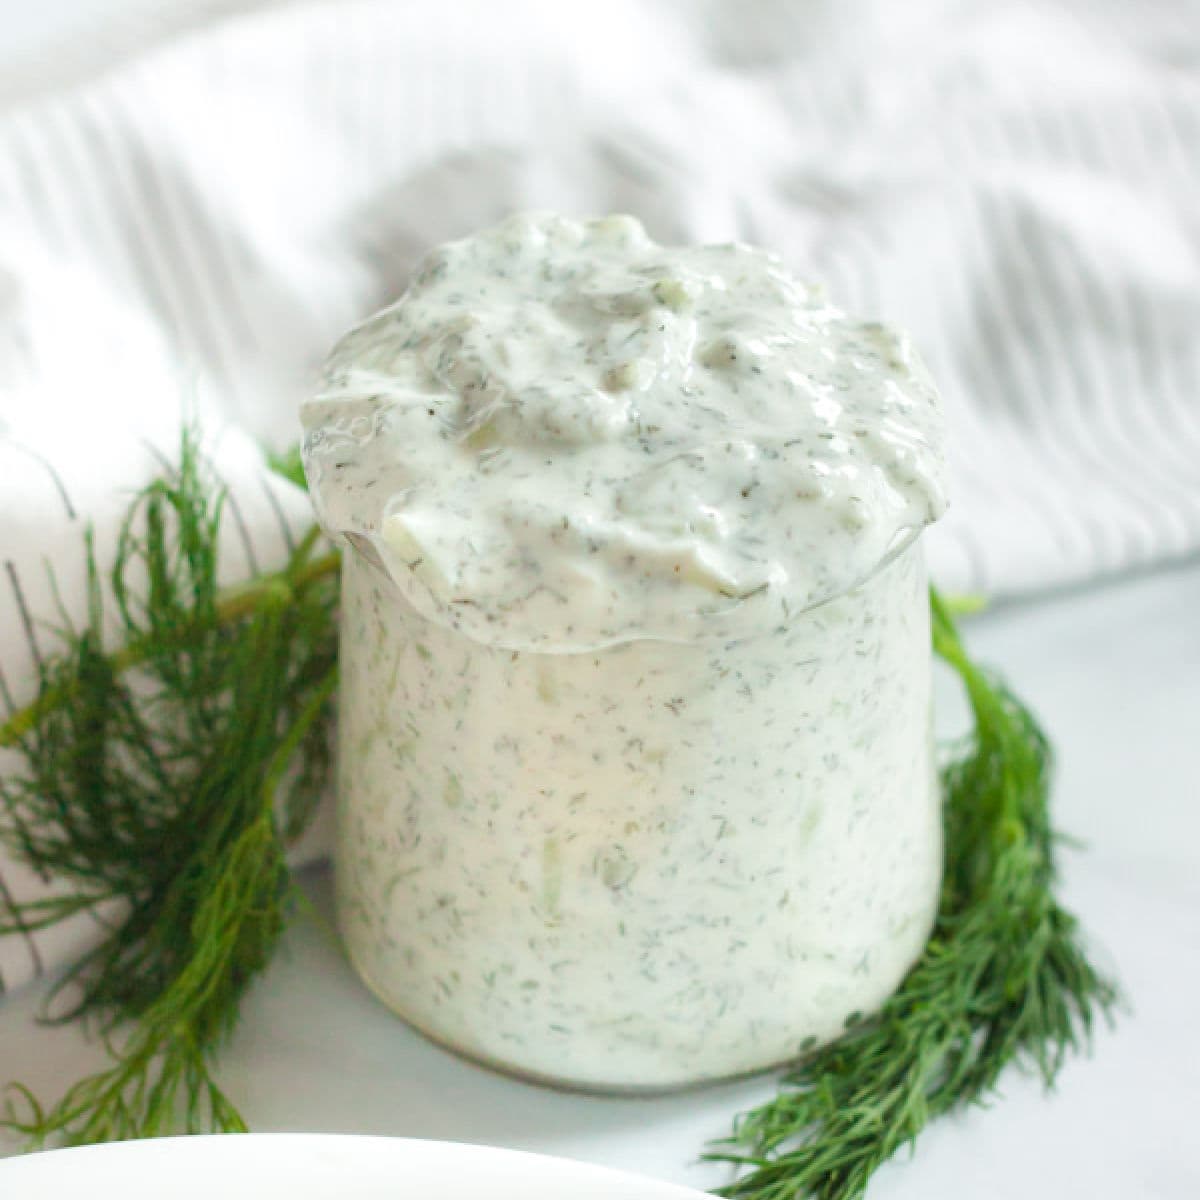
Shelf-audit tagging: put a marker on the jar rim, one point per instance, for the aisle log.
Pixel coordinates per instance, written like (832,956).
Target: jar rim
(362,551)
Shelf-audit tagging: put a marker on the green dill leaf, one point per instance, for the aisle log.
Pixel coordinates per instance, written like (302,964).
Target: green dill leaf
(289,465)
(1004,978)
(166,779)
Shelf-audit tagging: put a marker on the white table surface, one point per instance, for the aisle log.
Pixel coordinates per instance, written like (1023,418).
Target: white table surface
(1115,674)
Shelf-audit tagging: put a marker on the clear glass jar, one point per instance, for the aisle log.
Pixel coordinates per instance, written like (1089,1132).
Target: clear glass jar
(646,866)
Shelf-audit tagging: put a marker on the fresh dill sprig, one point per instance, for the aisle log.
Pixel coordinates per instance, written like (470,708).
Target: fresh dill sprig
(1004,978)
(165,780)
(168,775)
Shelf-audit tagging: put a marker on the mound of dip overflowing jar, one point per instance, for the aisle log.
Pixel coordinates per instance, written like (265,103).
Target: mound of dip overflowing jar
(636,776)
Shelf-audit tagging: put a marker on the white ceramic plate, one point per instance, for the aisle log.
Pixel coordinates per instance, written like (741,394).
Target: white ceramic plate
(287,1166)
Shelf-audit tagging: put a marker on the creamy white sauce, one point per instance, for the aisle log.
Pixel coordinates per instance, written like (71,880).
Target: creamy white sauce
(564,435)
(636,781)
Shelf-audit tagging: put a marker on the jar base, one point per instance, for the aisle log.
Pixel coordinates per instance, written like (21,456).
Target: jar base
(557,1083)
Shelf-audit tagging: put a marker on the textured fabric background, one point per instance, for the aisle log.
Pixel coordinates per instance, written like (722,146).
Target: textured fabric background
(1015,183)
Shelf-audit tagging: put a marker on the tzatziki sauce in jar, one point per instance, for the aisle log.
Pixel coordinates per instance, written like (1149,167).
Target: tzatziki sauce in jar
(636,775)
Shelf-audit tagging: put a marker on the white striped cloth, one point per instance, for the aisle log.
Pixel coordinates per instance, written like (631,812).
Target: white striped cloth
(1016,183)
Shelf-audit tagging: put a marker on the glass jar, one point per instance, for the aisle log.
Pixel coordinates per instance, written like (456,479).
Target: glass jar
(642,867)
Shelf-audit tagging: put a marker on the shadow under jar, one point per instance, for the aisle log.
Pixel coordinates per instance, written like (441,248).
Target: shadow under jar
(636,778)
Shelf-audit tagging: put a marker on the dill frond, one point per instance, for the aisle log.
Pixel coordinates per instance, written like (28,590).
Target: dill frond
(166,778)
(1004,978)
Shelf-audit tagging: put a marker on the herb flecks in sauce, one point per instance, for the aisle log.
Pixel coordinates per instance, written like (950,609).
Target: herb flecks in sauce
(636,504)
(564,436)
